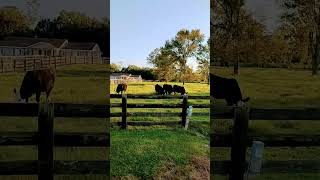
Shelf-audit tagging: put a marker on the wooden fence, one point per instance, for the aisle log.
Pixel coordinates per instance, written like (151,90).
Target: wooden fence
(27,63)
(183,106)
(239,140)
(46,139)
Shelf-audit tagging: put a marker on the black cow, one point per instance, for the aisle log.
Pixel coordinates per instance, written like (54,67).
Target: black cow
(159,90)
(228,89)
(167,89)
(35,82)
(121,88)
(179,89)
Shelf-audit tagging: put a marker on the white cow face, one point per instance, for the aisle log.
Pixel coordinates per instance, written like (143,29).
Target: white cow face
(17,97)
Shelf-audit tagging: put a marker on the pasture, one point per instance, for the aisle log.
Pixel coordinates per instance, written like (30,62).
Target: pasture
(141,152)
(71,84)
(276,88)
(166,152)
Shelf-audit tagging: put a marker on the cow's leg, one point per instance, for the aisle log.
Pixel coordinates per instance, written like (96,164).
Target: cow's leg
(38,97)
(229,101)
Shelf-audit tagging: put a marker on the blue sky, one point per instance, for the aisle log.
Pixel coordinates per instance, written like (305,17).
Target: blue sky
(140,26)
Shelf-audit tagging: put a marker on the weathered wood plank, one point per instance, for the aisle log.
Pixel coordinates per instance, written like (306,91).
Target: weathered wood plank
(238,144)
(80,110)
(60,167)
(45,142)
(285,114)
(289,166)
(152,96)
(154,105)
(154,114)
(60,139)
(148,123)
(18,167)
(82,167)
(60,110)
(124,111)
(293,140)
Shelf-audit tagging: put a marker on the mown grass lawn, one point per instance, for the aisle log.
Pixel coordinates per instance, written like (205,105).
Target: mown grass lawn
(158,151)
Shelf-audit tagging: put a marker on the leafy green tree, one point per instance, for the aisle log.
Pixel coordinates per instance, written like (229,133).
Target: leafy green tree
(176,52)
(305,14)
(115,67)
(203,62)
(13,22)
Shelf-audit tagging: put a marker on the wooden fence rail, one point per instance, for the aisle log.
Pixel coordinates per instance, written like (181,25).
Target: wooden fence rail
(124,105)
(45,138)
(239,140)
(27,63)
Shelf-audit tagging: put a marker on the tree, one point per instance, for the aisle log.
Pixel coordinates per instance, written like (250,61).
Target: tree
(203,62)
(114,67)
(305,14)
(33,10)
(226,19)
(177,51)
(13,22)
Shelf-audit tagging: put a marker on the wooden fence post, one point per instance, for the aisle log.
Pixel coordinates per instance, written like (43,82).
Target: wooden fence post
(92,58)
(124,111)
(45,146)
(25,64)
(239,143)
(55,63)
(14,65)
(2,65)
(34,63)
(184,110)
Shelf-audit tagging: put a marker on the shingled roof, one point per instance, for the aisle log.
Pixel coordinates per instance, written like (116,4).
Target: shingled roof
(80,46)
(26,42)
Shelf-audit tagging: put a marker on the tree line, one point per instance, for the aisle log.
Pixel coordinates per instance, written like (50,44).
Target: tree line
(71,25)
(237,37)
(152,74)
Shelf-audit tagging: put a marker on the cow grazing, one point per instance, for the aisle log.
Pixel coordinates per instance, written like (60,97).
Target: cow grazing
(179,89)
(228,89)
(35,82)
(121,88)
(159,90)
(167,89)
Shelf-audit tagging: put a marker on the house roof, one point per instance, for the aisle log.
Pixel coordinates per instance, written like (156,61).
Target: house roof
(120,74)
(26,42)
(80,45)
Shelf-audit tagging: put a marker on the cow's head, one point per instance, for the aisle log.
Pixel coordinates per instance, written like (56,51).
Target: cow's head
(20,97)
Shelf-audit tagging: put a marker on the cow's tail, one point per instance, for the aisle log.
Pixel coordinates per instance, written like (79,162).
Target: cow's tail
(246,99)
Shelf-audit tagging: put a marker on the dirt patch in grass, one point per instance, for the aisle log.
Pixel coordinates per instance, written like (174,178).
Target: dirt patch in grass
(125,178)
(197,169)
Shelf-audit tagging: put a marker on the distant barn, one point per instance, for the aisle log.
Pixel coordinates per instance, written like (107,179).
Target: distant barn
(117,78)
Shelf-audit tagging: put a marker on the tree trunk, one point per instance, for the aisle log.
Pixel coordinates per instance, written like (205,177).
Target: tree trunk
(236,66)
(316,58)
(315,61)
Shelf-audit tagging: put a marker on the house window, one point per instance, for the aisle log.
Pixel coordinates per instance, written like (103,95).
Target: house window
(40,52)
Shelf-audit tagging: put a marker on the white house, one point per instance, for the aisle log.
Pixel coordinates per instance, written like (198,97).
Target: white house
(24,46)
(117,78)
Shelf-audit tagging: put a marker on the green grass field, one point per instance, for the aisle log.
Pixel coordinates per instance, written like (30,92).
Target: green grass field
(276,88)
(167,152)
(74,84)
